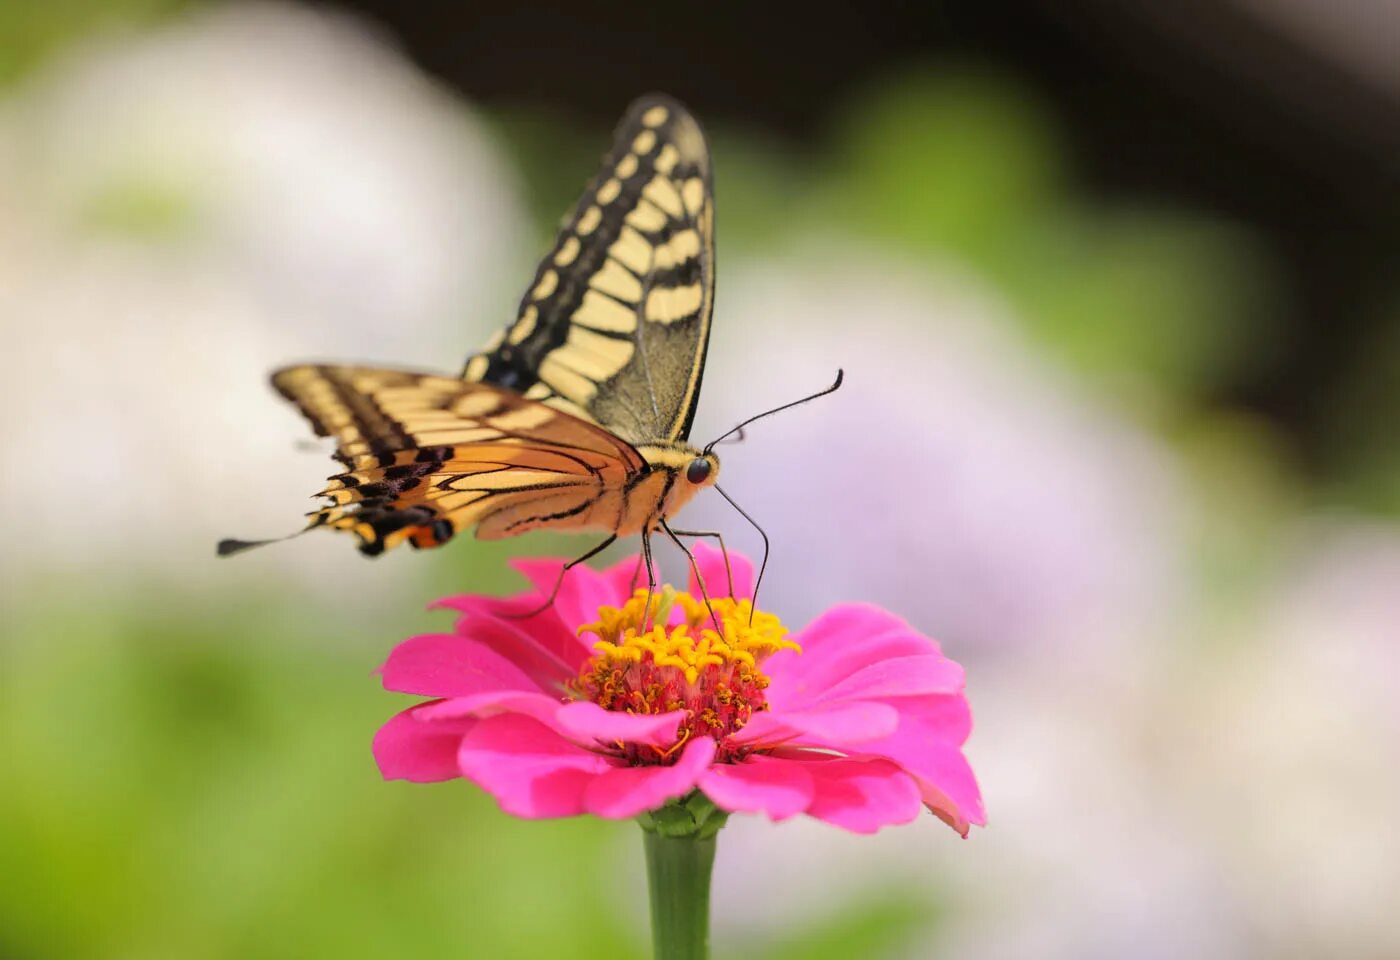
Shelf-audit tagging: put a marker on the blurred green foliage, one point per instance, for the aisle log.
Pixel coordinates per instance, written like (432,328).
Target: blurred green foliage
(189,785)
(144,204)
(884,923)
(30,32)
(1138,298)
(1364,424)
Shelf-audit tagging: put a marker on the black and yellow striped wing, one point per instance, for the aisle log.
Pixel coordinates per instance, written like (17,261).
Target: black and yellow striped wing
(542,429)
(615,325)
(427,456)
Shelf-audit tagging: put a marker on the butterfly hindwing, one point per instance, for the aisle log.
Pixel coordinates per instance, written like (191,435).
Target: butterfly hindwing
(615,325)
(428,456)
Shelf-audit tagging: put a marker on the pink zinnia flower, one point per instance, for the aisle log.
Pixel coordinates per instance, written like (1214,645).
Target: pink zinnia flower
(857,720)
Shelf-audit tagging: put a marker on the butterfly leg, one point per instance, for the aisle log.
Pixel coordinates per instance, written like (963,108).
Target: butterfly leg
(724,551)
(651,574)
(763,566)
(559,581)
(699,580)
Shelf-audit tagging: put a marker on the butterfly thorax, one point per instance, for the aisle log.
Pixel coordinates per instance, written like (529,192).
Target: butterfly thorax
(675,472)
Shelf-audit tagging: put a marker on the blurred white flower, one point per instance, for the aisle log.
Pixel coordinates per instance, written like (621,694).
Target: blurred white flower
(1287,748)
(180,211)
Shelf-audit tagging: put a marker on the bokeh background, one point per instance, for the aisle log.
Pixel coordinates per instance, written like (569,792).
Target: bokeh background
(1114,285)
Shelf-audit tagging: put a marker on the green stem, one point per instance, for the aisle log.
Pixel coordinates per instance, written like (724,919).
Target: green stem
(680,847)
(678,873)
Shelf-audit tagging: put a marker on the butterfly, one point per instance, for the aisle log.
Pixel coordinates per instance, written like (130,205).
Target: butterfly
(575,417)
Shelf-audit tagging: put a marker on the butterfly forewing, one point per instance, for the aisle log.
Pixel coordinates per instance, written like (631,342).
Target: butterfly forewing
(615,325)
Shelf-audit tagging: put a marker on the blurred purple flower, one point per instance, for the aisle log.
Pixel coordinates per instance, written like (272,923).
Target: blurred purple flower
(964,480)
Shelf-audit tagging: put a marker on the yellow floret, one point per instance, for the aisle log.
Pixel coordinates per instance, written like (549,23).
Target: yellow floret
(744,635)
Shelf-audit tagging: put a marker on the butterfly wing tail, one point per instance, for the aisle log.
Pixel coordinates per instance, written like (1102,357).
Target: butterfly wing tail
(230,546)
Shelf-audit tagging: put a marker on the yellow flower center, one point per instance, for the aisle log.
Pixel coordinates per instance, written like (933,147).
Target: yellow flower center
(707,663)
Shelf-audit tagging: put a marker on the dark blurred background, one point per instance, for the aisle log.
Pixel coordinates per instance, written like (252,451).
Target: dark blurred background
(1235,109)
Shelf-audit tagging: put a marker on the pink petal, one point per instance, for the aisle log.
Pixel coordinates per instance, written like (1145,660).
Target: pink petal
(774,786)
(623,578)
(898,677)
(854,623)
(622,792)
(450,665)
(586,722)
(530,770)
(840,725)
(936,763)
(862,795)
(540,645)
(538,706)
(945,716)
(710,560)
(582,591)
(837,644)
(411,748)
(945,809)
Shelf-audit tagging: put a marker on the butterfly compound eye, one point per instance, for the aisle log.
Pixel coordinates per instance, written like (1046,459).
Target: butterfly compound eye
(698,471)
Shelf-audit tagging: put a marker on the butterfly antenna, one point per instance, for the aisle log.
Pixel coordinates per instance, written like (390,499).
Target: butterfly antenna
(761,532)
(840,375)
